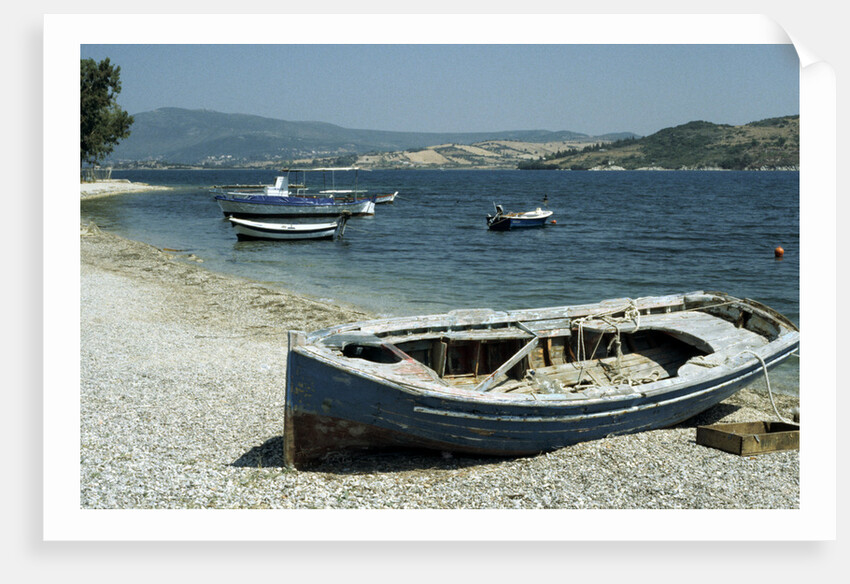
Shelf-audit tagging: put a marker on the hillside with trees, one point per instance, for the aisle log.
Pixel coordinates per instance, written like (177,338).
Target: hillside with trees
(764,145)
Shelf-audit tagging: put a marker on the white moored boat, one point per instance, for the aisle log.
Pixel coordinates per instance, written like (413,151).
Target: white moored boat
(385,198)
(247,229)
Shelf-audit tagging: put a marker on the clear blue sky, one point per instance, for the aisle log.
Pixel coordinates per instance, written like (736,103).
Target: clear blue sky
(593,89)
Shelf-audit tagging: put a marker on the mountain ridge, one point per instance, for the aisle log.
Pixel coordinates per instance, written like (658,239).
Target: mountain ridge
(177,137)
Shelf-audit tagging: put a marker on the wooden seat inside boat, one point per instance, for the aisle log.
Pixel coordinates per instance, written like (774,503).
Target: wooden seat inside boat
(706,332)
(655,349)
(651,364)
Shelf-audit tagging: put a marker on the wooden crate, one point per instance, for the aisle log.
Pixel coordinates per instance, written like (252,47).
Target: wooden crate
(750,437)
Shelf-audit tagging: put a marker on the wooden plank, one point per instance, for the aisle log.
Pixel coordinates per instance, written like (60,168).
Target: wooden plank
(634,364)
(506,366)
(556,351)
(538,357)
(438,358)
(656,353)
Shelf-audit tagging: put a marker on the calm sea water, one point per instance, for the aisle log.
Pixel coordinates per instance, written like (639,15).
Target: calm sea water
(618,234)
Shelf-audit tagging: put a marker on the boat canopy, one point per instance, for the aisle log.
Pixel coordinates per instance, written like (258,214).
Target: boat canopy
(328,186)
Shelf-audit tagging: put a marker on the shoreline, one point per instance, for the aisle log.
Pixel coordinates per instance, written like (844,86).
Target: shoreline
(182,379)
(443,168)
(105,188)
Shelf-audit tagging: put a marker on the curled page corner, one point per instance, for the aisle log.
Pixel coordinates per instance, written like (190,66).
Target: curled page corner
(806,56)
(781,33)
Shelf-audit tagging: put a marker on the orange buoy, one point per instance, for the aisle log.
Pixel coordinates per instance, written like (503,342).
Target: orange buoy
(778,252)
(554,222)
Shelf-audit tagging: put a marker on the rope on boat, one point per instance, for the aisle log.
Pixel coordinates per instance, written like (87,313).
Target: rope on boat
(767,381)
(630,314)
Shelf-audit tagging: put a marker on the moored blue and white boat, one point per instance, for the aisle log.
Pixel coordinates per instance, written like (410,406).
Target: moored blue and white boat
(526,381)
(264,206)
(289,197)
(502,221)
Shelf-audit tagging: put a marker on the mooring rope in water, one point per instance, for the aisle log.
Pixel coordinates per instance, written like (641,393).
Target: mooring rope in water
(767,381)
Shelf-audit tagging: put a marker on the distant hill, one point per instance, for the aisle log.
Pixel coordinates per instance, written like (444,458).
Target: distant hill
(767,144)
(207,138)
(486,154)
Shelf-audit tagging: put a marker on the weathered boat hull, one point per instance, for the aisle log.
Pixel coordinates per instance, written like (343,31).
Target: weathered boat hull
(331,406)
(259,206)
(370,414)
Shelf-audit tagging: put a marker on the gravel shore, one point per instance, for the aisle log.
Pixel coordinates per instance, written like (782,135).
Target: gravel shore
(103,188)
(182,378)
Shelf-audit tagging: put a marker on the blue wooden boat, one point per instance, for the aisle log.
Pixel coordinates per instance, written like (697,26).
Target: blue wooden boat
(289,196)
(502,221)
(247,206)
(523,382)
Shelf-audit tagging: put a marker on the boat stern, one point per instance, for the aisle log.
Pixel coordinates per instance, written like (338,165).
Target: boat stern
(312,427)
(294,339)
(316,395)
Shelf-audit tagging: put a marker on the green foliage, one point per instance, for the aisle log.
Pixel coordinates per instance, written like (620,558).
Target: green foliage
(102,122)
(347,160)
(774,122)
(685,145)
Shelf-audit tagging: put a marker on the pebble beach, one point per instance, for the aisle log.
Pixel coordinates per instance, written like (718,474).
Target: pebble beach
(182,379)
(106,188)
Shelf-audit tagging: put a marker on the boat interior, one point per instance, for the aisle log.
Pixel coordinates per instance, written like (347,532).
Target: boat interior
(645,355)
(568,354)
